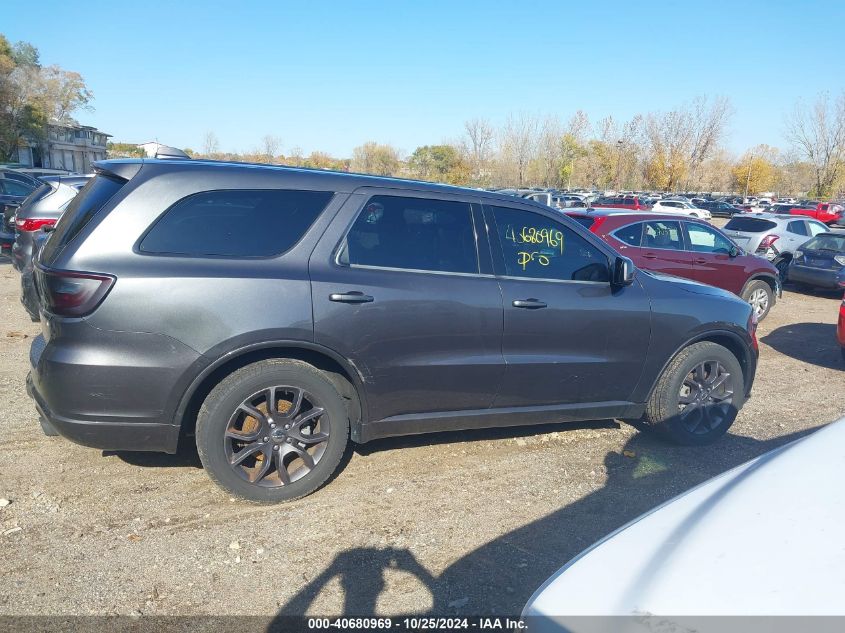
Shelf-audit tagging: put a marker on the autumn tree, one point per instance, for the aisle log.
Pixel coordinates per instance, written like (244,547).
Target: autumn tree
(439,163)
(373,158)
(754,173)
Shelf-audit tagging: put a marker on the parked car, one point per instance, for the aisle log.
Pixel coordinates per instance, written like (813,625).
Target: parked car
(827,212)
(840,328)
(775,237)
(820,262)
(29,293)
(275,312)
(42,208)
(763,539)
(719,208)
(680,207)
(633,203)
(568,200)
(689,248)
(14,188)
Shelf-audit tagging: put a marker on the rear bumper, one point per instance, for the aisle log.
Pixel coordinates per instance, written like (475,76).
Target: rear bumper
(109,390)
(116,436)
(818,277)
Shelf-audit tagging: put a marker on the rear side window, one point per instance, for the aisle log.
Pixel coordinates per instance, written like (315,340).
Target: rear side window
(584,221)
(749,225)
(235,223)
(798,227)
(80,211)
(413,234)
(662,234)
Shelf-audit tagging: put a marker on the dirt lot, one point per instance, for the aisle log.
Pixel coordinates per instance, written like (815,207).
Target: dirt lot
(455,523)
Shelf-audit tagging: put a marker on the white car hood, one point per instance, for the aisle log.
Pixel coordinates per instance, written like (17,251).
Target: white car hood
(766,538)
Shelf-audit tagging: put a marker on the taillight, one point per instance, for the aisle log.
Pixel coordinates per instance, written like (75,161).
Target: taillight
(752,330)
(71,293)
(33,224)
(767,241)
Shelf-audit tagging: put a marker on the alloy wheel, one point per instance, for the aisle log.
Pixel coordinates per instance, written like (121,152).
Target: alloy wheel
(276,436)
(705,397)
(759,301)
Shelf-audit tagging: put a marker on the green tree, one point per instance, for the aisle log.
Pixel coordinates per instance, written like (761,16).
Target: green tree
(372,158)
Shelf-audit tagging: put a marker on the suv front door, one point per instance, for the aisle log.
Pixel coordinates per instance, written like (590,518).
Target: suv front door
(569,336)
(398,290)
(712,260)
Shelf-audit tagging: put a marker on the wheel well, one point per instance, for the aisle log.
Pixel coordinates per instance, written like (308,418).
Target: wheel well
(769,280)
(334,371)
(733,346)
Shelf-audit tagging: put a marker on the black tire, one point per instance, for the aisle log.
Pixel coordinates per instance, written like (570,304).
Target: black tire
(783,270)
(663,409)
(760,296)
(842,349)
(224,429)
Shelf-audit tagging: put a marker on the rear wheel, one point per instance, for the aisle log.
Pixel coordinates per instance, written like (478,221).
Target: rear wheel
(698,396)
(760,297)
(272,431)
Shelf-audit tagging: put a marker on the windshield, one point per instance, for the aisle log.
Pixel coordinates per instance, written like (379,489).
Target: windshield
(826,242)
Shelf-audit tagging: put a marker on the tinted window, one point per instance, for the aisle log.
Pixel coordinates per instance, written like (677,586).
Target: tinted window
(536,246)
(630,234)
(703,239)
(586,222)
(797,226)
(413,233)
(15,188)
(827,242)
(749,225)
(80,211)
(662,234)
(235,223)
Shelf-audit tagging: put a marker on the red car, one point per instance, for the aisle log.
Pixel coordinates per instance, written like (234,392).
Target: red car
(827,212)
(687,247)
(632,203)
(840,328)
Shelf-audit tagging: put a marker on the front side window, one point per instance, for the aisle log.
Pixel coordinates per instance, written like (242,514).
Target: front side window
(703,239)
(538,247)
(235,223)
(413,234)
(662,234)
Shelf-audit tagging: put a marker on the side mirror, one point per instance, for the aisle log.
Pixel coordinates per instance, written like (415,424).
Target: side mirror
(734,251)
(623,272)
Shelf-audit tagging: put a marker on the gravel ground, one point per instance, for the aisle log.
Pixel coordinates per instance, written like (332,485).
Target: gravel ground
(461,523)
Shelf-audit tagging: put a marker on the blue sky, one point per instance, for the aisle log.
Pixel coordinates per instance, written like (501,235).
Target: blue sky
(332,75)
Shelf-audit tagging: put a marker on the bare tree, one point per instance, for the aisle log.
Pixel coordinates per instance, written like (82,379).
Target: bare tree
(270,146)
(210,144)
(550,151)
(707,122)
(372,158)
(519,142)
(818,134)
(480,134)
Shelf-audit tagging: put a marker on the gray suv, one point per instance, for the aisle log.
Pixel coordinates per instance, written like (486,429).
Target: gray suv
(773,236)
(270,314)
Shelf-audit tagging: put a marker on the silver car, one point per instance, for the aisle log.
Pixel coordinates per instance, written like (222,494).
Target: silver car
(775,237)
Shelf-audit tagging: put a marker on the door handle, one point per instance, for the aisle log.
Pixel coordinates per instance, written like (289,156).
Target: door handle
(530,304)
(650,256)
(700,261)
(354,296)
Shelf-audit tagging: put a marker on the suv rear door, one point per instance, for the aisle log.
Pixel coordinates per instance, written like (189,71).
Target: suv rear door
(569,337)
(400,291)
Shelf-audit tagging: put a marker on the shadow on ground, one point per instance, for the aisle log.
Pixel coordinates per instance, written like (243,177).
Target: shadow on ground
(499,577)
(813,343)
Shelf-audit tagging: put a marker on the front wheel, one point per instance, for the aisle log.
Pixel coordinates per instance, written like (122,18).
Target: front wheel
(760,297)
(272,431)
(698,396)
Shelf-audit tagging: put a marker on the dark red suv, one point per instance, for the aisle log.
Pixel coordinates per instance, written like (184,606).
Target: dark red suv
(687,247)
(633,203)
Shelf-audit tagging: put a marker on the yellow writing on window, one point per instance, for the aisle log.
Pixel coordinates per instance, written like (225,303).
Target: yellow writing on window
(525,258)
(532,235)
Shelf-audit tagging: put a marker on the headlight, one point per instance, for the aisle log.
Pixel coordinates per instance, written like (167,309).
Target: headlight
(840,259)
(798,255)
